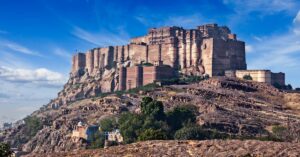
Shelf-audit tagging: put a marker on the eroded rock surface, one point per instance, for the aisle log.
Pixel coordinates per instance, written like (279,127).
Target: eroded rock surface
(209,148)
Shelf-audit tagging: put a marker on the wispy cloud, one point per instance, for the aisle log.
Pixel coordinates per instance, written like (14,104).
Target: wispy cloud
(249,48)
(103,38)
(246,10)
(62,53)
(12,46)
(260,39)
(22,96)
(190,21)
(297,18)
(187,21)
(39,76)
(264,7)
(279,51)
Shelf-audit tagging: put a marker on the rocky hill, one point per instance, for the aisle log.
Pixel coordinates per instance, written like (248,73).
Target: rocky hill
(231,106)
(211,148)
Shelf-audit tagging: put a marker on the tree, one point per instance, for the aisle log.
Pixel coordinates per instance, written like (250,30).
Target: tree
(151,123)
(32,125)
(97,140)
(151,134)
(152,108)
(180,116)
(277,85)
(198,133)
(284,87)
(289,87)
(190,133)
(247,77)
(108,124)
(130,126)
(5,150)
(145,101)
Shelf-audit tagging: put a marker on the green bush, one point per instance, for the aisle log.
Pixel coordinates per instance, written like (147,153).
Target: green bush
(148,87)
(97,140)
(150,122)
(284,87)
(151,134)
(280,132)
(5,150)
(181,115)
(32,125)
(190,79)
(133,126)
(198,133)
(154,124)
(147,64)
(247,77)
(108,124)
(76,86)
(152,108)
(130,126)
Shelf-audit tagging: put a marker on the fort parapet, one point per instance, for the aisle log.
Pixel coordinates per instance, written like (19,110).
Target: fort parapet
(265,76)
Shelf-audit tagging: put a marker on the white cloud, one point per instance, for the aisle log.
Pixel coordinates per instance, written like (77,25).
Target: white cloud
(297,18)
(258,38)
(23,98)
(39,76)
(278,52)
(249,49)
(296,31)
(296,24)
(104,38)
(19,48)
(62,53)
(8,45)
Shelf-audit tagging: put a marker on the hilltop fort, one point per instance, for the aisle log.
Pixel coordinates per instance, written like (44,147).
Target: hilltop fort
(164,52)
(100,80)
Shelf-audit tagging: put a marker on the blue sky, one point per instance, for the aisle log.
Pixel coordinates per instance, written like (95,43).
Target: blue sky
(38,38)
